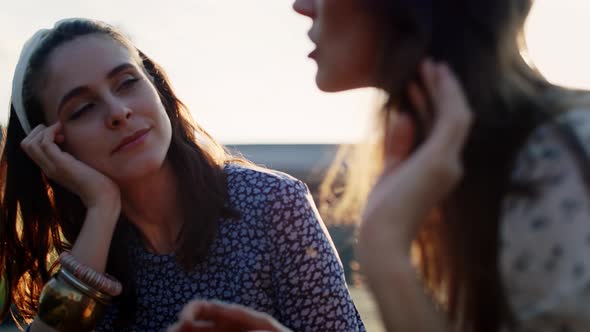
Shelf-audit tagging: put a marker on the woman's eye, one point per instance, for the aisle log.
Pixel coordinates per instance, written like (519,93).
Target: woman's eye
(127,84)
(80,111)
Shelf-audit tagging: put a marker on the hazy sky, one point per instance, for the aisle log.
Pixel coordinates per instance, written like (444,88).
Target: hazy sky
(242,67)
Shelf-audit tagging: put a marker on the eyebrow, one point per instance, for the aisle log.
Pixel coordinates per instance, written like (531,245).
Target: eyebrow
(84,89)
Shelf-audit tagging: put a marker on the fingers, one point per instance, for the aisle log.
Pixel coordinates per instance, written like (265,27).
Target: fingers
(192,326)
(456,117)
(451,110)
(41,146)
(429,75)
(187,320)
(243,316)
(32,147)
(49,144)
(452,121)
(401,134)
(443,108)
(216,316)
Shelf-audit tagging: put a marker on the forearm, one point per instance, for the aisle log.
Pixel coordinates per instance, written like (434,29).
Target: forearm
(413,184)
(92,245)
(401,298)
(400,294)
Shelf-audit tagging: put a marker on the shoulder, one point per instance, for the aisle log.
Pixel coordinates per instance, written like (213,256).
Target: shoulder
(258,187)
(242,177)
(578,119)
(546,147)
(549,168)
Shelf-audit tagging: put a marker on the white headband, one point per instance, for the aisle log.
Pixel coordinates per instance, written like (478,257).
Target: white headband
(21,70)
(19,76)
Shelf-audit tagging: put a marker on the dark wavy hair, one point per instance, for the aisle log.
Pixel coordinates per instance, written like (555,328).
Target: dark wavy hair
(457,248)
(39,218)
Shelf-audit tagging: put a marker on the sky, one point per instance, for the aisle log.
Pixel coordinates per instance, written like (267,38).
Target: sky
(242,66)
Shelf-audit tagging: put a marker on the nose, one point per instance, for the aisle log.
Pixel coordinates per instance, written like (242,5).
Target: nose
(304,7)
(118,114)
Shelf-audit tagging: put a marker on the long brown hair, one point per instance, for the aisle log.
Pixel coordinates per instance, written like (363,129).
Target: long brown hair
(39,218)
(457,248)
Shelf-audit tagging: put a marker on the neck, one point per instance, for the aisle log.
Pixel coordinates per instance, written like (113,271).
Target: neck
(151,203)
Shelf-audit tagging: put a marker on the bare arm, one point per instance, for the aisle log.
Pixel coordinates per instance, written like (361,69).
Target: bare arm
(400,295)
(410,188)
(99,194)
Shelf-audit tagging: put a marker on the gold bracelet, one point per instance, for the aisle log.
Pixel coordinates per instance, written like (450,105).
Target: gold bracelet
(96,280)
(68,309)
(84,288)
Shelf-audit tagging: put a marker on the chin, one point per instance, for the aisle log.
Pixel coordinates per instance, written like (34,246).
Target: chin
(328,86)
(139,168)
(328,83)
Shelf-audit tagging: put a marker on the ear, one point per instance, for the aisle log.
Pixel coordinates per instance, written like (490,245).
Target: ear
(399,140)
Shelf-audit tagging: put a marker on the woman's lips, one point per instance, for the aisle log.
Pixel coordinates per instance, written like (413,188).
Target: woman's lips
(133,140)
(313,53)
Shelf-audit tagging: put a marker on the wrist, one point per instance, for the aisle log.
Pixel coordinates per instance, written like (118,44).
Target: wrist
(106,195)
(105,213)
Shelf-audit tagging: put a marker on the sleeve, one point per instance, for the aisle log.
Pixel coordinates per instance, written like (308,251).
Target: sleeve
(545,239)
(309,279)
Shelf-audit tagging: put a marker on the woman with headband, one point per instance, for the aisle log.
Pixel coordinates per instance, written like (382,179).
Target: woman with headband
(106,177)
(480,218)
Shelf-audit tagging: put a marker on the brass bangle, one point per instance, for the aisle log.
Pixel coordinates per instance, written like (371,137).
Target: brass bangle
(73,281)
(67,309)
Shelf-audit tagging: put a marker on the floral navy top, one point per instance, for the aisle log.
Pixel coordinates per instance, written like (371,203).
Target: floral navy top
(277,258)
